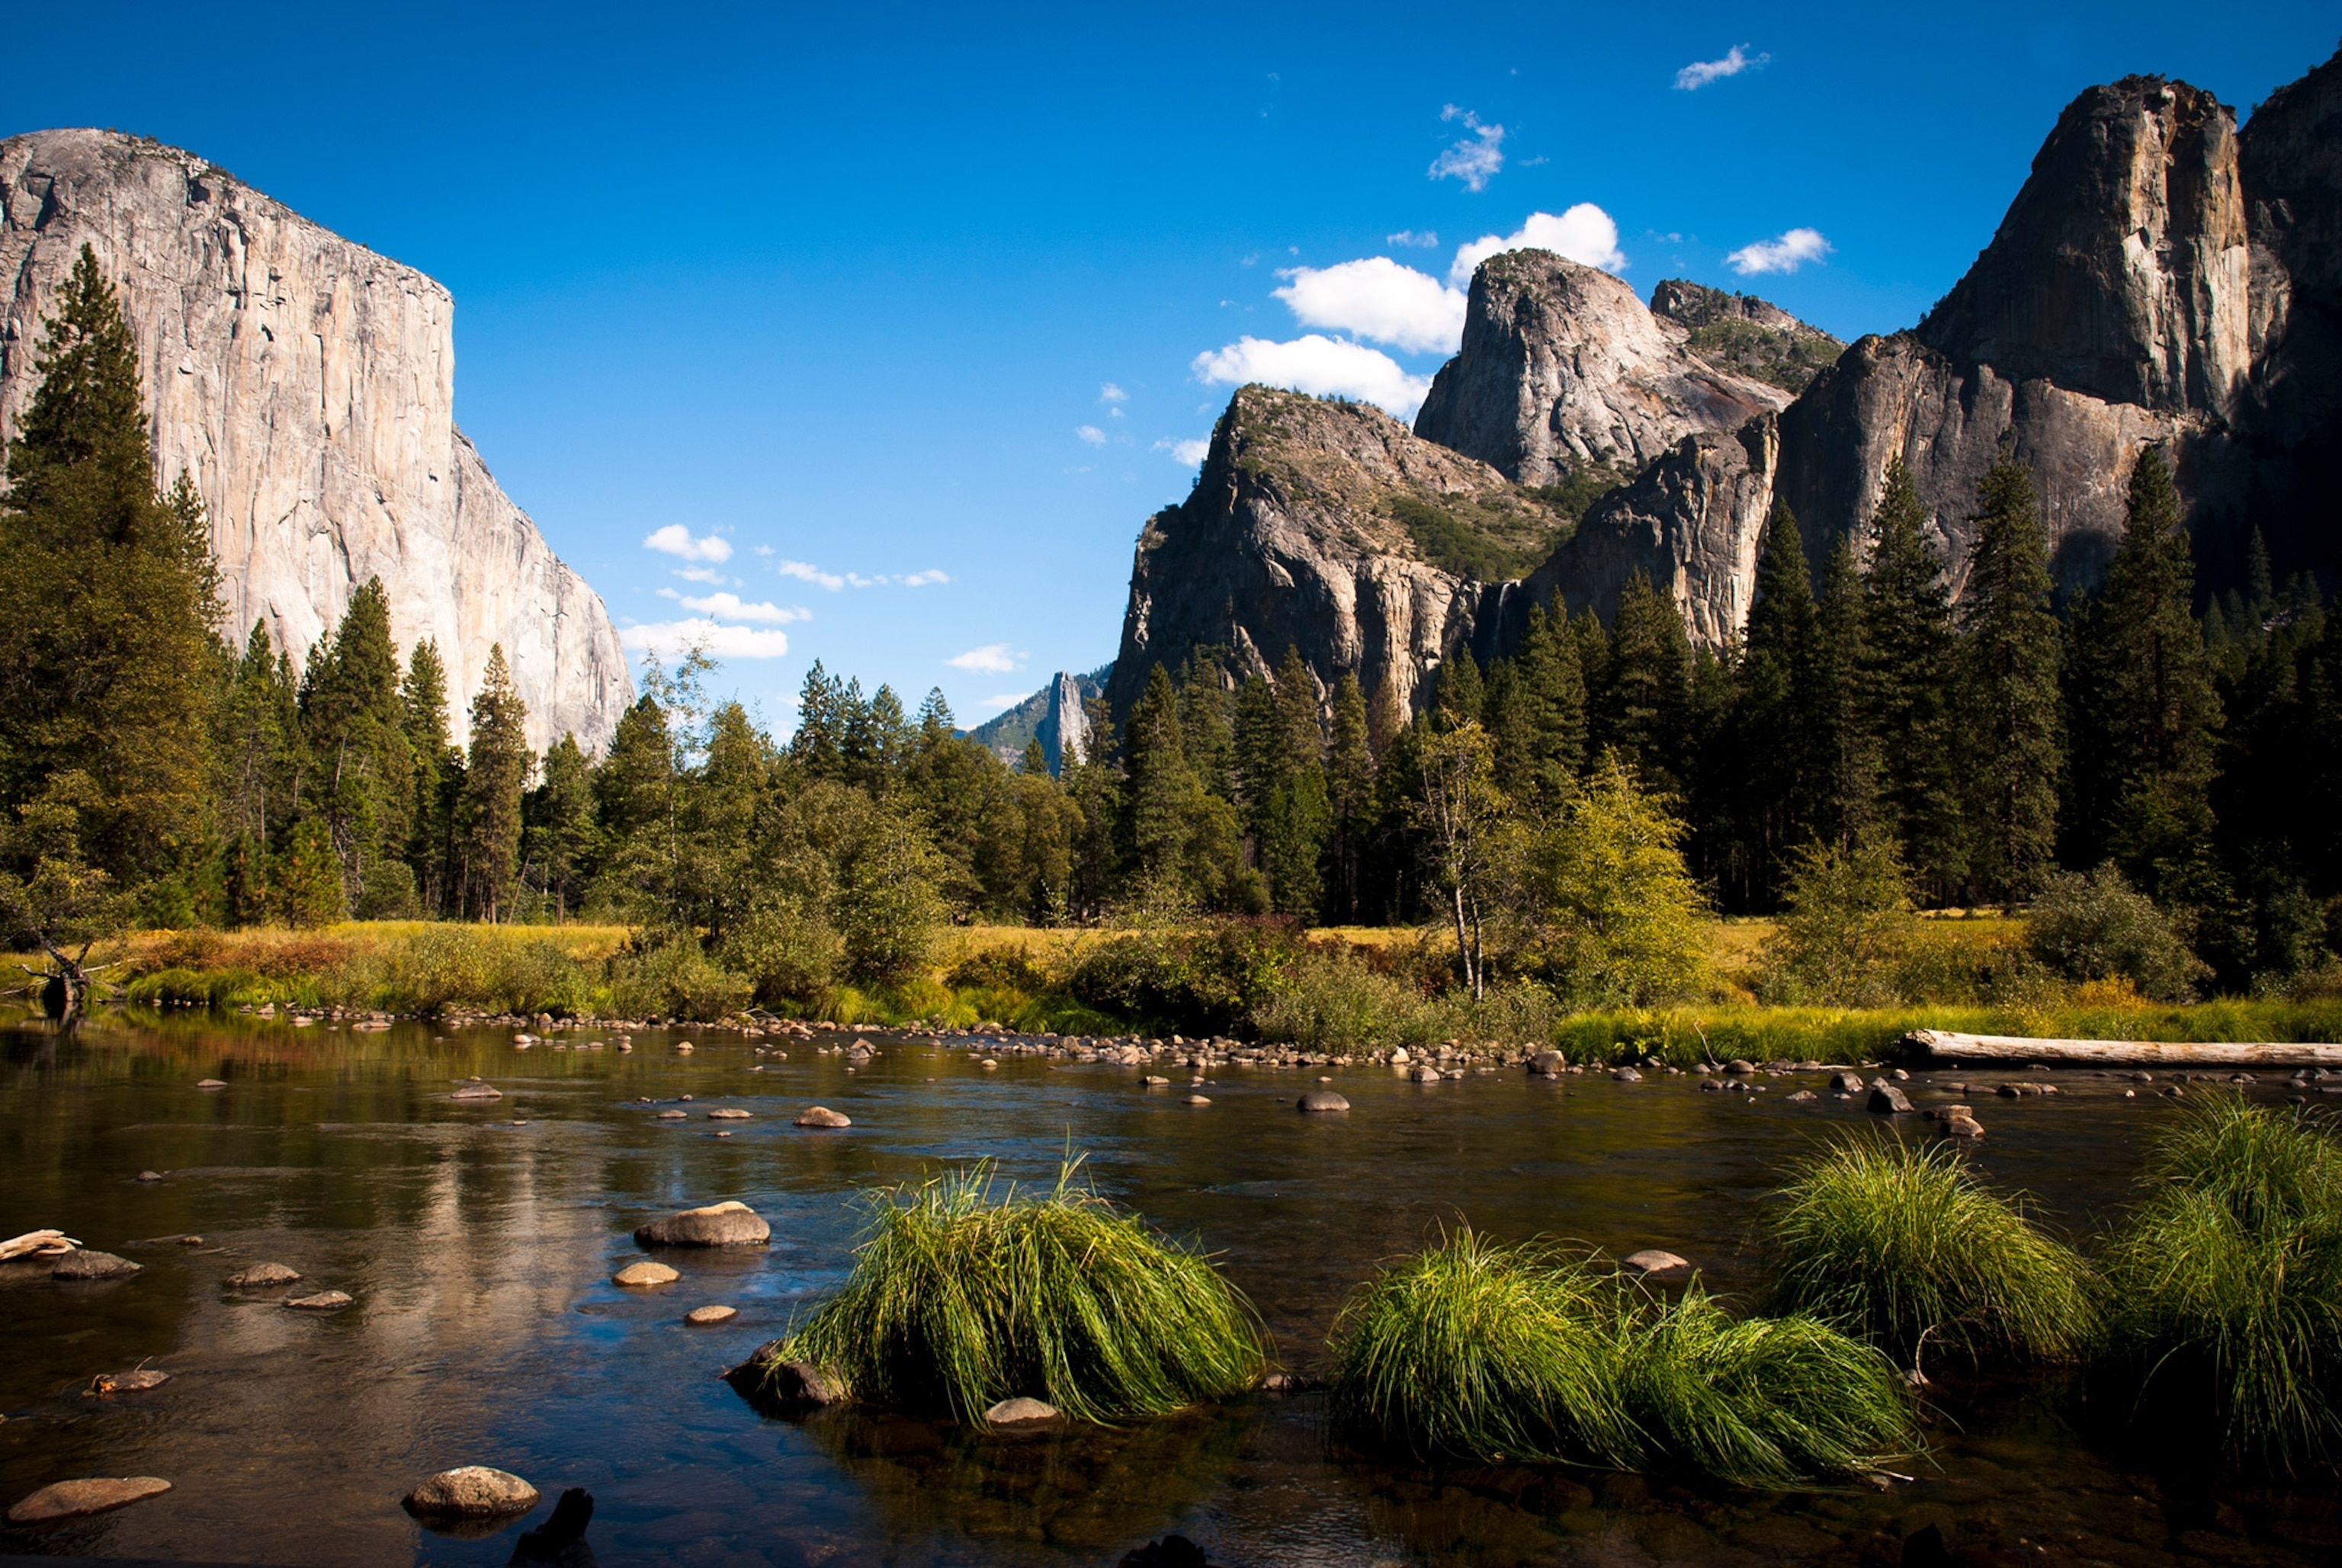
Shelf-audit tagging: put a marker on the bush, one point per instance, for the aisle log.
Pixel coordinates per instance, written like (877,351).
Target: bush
(2228,1282)
(959,1300)
(1196,980)
(1614,918)
(1331,999)
(1901,1244)
(2096,927)
(786,954)
(1848,928)
(668,974)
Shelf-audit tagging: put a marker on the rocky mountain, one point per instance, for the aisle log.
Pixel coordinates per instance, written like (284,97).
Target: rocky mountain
(306,385)
(1329,527)
(1057,716)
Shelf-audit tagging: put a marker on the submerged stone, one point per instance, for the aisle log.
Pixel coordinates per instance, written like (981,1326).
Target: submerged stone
(471,1492)
(324,1301)
(1323,1099)
(261,1277)
(79,1499)
(90,1266)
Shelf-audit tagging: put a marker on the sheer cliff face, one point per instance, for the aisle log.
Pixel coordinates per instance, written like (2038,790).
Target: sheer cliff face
(306,385)
(1562,365)
(1320,526)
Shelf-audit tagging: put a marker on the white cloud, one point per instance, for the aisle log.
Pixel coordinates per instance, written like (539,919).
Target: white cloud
(1585,234)
(1428,239)
(1009,701)
(1110,392)
(674,539)
(1319,365)
(1700,73)
(1186,454)
(1091,433)
(805,571)
(1787,253)
(921,579)
(993,658)
(1476,159)
(1378,298)
(707,575)
(668,638)
(732,606)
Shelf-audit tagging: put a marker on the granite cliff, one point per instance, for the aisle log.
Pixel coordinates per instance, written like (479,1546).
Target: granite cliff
(306,385)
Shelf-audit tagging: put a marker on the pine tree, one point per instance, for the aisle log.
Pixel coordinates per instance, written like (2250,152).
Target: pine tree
(496,774)
(1773,801)
(438,773)
(1642,709)
(2014,740)
(1462,693)
(1841,757)
(822,722)
(109,666)
(361,780)
(1297,818)
(557,827)
(1540,733)
(1909,686)
(1350,796)
(1162,787)
(257,744)
(1205,722)
(2142,708)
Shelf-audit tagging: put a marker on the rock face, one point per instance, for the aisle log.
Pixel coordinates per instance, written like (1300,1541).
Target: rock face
(1562,367)
(306,385)
(1331,528)
(1746,335)
(1065,729)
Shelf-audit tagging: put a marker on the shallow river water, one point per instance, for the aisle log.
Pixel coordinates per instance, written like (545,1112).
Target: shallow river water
(485,1330)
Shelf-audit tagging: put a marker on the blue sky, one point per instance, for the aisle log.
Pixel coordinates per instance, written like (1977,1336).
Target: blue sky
(912,311)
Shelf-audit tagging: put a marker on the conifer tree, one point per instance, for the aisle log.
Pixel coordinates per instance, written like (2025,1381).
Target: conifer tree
(1462,693)
(1162,788)
(2014,740)
(1909,680)
(1841,757)
(362,777)
(1643,708)
(258,743)
(496,774)
(558,830)
(823,718)
(1205,723)
(1350,796)
(438,773)
(1540,734)
(1769,760)
(1297,819)
(109,661)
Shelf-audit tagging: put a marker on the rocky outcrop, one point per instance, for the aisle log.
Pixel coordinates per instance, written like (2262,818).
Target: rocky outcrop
(1330,528)
(1063,731)
(1562,367)
(1744,334)
(306,385)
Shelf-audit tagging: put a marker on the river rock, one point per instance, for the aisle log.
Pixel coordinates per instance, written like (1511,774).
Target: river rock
(730,1224)
(479,1092)
(211,1084)
(1887,1100)
(90,1266)
(1847,1083)
(1802,1097)
(1548,1064)
(1962,1125)
(471,1492)
(674,1115)
(1199,1100)
(1653,1264)
(79,1499)
(701,1317)
(1323,1099)
(729,1114)
(150,1175)
(261,1277)
(324,1301)
(645,1273)
(1019,1412)
(799,1382)
(1626,1076)
(135,1382)
(823,1116)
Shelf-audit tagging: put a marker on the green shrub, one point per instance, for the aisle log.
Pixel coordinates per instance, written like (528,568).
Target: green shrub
(785,952)
(1475,1351)
(960,1299)
(1613,917)
(668,974)
(1846,930)
(1761,1401)
(2227,1281)
(1902,1245)
(1198,979)
(2096,927)
(1334,1000)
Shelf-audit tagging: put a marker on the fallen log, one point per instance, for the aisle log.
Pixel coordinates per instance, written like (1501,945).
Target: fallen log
(1950,1047)
(37,1244)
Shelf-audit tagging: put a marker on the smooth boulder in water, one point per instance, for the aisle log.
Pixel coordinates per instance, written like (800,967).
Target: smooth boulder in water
(261,1277)
(89,1265)
(479,1092)
(471,1492)
(1887,1100)
(1323,1099)
(1547,1063)
(730,1224)
(1626,1076)
(324,1301)
(79,1499)
(1020,1412)
(1653,1264)
(823,1116)
(635,1275)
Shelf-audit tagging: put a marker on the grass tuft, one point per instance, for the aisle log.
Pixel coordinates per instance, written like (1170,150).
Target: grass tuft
(1475,1351)
(961,1297)
(1762,1401)
(1903,1246)
(2228,1281)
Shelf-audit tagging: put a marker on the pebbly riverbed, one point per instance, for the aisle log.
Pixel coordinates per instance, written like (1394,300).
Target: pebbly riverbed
(477,1238)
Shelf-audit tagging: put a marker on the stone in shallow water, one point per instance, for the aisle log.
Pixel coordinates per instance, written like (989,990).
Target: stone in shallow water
(150,1175)
(324,1301)
(730,1224)
(210,1084)
(729,1114)
(1887,1100)
(472,1491)
(823,1116)
(1802,1097)
(1019,1412)
(479,1092)
(261,1277)
(1627,1075)
(1199,1100)
(1323,1099)
(700,1317)
(1653,1264)
(645,1273)
(90,1266)
(78,1499)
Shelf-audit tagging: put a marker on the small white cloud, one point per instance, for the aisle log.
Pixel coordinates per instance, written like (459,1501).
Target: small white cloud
(1110,392)
(707,575)
(1428,239)
(1186,454)
(1319,365)
(674,539)
(922,579)
(805,571)
(1700,73)
(993,658)
(1378,298)
(731,608)
(668,638)
(1009,701)
(1091,433)
(1476,159)
(1787,253)
(1585,234)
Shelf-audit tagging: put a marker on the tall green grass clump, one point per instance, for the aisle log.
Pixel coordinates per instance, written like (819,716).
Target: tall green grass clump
(1902,1245)
(1475,1351)
(2228,1281)
(962,1296)
(1761,1401)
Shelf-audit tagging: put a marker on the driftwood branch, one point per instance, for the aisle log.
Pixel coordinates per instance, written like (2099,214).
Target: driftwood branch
(37,1244)
(1950,1047)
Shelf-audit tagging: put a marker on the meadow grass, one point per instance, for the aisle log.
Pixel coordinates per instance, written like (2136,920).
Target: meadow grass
(1760,1402)
(966,1292)
(1901,1244)
(1475,1351)
(2227,1281)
